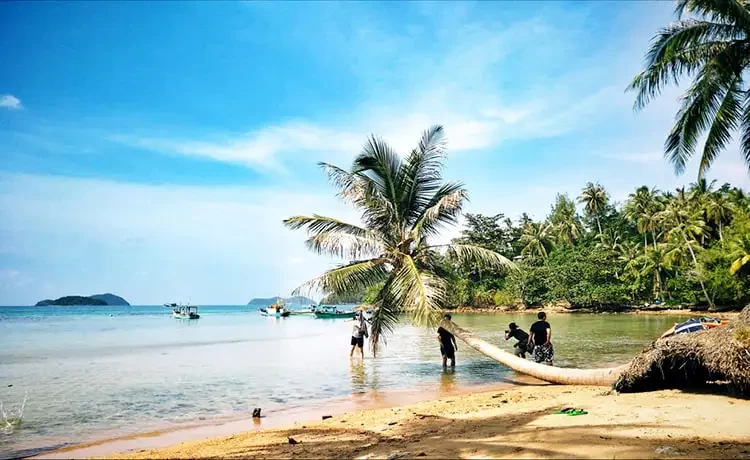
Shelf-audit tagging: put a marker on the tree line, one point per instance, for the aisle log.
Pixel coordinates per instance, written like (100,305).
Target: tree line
(690,246)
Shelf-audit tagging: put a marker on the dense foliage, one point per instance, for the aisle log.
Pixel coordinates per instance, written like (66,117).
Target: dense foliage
(688,247)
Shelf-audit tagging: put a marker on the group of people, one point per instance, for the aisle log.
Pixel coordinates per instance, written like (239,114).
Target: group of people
(538,342)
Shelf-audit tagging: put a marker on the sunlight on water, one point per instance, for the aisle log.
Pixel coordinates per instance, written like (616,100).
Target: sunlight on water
(12,416)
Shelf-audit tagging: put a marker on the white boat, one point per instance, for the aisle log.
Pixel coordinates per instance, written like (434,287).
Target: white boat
(276,310)
(183,311)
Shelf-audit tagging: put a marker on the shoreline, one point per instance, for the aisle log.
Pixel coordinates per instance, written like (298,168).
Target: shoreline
(726,314)
(514,422)
(233,425)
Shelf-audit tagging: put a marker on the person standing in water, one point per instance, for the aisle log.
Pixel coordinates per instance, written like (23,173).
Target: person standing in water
(359,332)
(541,340)
(448,346)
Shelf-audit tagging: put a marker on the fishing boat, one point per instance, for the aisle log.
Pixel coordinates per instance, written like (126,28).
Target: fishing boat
(303,311)
(694,325)
(332,312)
(183,311)
(276,310)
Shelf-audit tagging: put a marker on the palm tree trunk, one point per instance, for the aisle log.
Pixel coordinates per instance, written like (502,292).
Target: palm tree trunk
(653,237)
(563,376)
(598,225)
(645,244)
(721,236)
(700,272)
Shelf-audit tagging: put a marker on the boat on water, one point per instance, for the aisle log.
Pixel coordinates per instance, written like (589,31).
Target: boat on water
(183,311)
(303,311)
(277,310)
(332,312)
(694,325)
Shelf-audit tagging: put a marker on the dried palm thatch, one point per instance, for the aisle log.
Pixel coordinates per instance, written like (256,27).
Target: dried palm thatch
(694,360)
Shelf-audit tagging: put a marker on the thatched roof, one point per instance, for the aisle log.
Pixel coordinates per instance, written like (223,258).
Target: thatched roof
(693,360)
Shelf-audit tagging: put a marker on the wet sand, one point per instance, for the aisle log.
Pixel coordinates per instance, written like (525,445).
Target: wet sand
(507,423)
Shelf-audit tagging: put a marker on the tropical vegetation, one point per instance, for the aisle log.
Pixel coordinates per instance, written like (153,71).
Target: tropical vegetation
(687,247)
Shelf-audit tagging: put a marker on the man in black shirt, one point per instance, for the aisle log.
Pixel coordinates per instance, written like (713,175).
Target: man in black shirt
(448,345)
(540,338)
(522,337)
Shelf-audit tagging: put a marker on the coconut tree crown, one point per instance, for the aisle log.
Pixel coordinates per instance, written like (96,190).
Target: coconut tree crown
(404,203)
(713,47)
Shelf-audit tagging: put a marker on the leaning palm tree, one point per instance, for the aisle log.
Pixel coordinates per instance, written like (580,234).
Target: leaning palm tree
(594,198)
(536,239)
(712,47)
(404,203)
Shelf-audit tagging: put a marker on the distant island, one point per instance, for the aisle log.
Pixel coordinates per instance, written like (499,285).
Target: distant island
(295,300)
(97,299)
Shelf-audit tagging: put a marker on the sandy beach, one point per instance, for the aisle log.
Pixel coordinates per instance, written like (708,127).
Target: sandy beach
(513,423)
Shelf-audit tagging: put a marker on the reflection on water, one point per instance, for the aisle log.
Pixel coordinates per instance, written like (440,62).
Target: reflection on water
(89,375)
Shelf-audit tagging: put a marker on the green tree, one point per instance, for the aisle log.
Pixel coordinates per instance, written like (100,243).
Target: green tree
(683,224)
(404,203)
(594,198)
(641,209)
(655,266)
(719,210)
(565,221)
(536,239)
(712,47)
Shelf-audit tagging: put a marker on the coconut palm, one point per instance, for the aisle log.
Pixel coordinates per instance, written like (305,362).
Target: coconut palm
(654,265)
(712,47)
(403,203)
(739,252)
(536,239)
(641,209)
(594,198)
(564,220)
(684,224)
(719,210)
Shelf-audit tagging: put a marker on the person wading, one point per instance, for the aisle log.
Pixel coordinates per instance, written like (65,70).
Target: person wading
(359,332)
(448,346)
(541,340)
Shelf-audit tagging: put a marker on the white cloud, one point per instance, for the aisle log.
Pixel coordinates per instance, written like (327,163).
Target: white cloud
(10,101)
(154,243)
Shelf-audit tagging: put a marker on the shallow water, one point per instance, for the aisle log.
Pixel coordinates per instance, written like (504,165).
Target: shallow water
(90,375)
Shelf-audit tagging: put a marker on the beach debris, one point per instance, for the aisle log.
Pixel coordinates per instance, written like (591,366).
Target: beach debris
(326,417)
(293,441)
(667,450)
(504,401)
(421,454)
(392,423)
(397,455)
(256,412)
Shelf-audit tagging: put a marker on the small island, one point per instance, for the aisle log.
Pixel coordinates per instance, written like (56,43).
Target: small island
(71,300)
(96,299)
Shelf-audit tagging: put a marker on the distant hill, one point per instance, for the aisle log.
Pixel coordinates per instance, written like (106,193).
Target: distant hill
(295,300)
(98,299)
(71,300)
(111,299)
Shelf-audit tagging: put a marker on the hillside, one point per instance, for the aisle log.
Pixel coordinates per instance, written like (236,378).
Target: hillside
(111,299)
(294,300)
(71,300)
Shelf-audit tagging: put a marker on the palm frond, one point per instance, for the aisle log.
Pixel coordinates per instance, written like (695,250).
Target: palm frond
(745,140)
(345,245)
(474,255)
(347,279)
(421,294)
(730,11)
(700,104)
(316,224)
(420,175)
(443,208)
(724,123)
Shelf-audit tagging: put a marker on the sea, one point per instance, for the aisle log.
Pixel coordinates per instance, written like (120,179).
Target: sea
(93,373)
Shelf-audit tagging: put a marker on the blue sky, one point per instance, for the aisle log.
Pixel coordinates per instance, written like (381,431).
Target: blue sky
(152,149)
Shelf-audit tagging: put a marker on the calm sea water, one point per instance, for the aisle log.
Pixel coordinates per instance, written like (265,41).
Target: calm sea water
(91,372)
